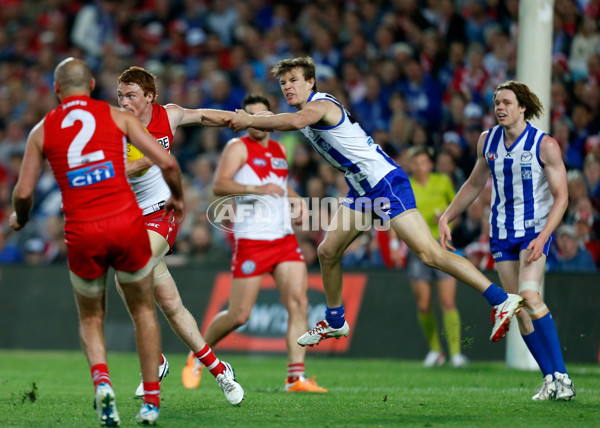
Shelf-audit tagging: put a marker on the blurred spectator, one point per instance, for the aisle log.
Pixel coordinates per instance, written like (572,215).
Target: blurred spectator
(471,79)
(582,121)
(477,20)
(372,110)
(9,251)
(222,19)
(468,230)
(55,249)
(571,256)
(585,43)
(577,189)
(591,172)
(199,246)
(446,164)
(34,251)
(478,252)
(583,225)
(95,29)
(357,254)
(13,141)
(423,95)
(451,24)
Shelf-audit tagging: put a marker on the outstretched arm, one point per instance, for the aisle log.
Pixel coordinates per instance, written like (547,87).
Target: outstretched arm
(312,112)
(556,174)
(179,116)
(31,169)
(466,195)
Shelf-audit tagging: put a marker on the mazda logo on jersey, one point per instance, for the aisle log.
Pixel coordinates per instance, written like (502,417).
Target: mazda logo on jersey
(526,157)
(492,156)
(259,162)
(265,330)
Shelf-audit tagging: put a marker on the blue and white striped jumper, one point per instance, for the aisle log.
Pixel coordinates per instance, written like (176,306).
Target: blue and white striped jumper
(521,199)
(348,148)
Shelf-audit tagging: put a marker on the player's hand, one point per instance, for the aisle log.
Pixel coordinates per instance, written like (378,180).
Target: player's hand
(445,235)
(14,223)
(240,120)
(270,189)
(537,248)
(174,208)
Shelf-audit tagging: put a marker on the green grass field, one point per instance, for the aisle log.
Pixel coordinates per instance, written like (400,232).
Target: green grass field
(362,392)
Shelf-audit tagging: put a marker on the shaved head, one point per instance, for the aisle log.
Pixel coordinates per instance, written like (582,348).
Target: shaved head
(73,76)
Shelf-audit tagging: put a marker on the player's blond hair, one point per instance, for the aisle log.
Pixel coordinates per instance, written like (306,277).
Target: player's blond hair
(307,64)
(143,78)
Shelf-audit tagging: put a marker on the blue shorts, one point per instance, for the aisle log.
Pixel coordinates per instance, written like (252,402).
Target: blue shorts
(390,197)
(510,248)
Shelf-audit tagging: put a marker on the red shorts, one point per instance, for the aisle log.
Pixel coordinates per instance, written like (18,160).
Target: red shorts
(167,228)
(253,258)
(120,241)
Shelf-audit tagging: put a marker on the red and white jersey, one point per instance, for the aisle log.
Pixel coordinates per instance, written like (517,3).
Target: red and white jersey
(262,217)
(151,188)
(86,151)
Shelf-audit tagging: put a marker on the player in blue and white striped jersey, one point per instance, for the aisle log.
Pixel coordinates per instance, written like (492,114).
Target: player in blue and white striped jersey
(529,199)
(378,187)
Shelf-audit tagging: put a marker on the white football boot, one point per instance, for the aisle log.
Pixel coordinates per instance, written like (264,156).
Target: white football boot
(321,332)
(564,387)
(106,407)
(163,371)
(148,414)
(501,315)
(434,359)
(233,391)
(547,390)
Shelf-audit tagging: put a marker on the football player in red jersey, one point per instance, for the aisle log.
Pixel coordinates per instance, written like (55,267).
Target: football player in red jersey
(137,93)
(83,140)
(256,165)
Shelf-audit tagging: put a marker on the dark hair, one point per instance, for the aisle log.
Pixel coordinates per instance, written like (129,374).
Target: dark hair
(255,99)
(307,64)
(525,97)
(144,79)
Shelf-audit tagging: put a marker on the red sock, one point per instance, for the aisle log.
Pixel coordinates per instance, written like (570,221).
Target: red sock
(210,360)
(100,374)
(152,393)
(295,371)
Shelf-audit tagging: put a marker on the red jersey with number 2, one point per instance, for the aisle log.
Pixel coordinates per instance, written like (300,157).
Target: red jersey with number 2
(103,222)
(86,150)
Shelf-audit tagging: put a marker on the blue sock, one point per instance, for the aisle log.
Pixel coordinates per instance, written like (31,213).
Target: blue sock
(495,295)
(335,316)
(549,338)
(537,349)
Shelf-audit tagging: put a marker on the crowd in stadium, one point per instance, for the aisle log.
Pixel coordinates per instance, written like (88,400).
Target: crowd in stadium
(412,72)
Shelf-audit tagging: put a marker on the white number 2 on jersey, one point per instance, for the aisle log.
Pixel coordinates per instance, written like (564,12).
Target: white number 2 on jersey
(88,126)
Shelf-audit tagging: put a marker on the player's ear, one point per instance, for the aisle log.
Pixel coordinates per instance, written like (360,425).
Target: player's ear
(92,84)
